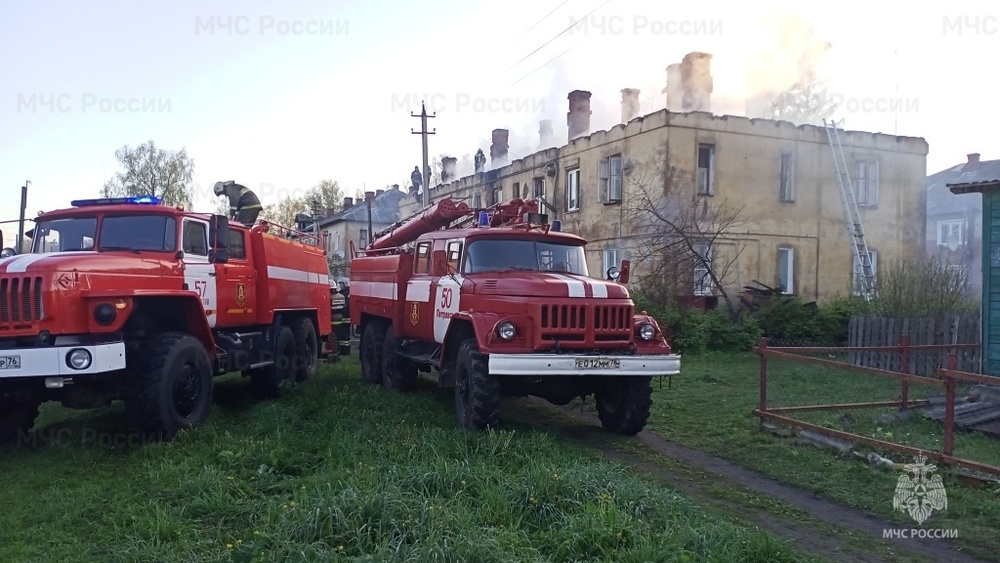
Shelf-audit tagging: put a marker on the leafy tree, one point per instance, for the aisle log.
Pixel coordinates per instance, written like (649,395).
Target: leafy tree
(327,195)
(283,213)
(151,171)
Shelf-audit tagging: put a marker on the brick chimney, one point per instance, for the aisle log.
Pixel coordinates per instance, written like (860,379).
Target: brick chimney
(500,147)
(675,87)
(696,75)
(379,192)
(348,202)
(329,212)
(973,160)
(546,135)
(578,118)
(449,169)
(630,104)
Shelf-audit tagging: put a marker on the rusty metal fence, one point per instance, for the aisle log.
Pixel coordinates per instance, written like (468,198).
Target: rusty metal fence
(945,378)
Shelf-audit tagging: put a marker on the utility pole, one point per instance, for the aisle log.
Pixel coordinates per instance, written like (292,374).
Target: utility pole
(423,133)
(20,222)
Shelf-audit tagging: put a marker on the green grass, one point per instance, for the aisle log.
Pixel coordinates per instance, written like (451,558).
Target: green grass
(336,470)
(709,408)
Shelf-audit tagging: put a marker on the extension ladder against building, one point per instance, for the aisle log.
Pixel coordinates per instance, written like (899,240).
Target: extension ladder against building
(852,215)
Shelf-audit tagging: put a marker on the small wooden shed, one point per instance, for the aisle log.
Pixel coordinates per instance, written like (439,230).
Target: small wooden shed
(989,186)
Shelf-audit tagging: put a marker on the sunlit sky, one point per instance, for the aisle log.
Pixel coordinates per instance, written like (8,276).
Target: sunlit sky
(279,112)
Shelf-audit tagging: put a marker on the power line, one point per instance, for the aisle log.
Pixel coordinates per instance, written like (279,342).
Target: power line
(546,63)
(571,26)
(541,20)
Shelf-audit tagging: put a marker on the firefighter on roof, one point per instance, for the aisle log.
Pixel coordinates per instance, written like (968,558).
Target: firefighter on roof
(244,206)
(338,316)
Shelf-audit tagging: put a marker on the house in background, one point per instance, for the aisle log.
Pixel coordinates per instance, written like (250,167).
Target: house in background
(954,222)
(783,177)
(351,224)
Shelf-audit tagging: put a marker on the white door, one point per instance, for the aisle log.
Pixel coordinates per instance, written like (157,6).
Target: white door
(199,274)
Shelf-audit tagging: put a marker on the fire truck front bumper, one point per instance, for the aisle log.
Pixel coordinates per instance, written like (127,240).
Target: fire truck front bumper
(65,361)
(566,364)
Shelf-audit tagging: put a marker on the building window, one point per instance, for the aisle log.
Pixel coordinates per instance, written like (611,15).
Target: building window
(539,188)
(477,200)
(573,190)
(702,265)
(612,259)
(363,239)
(786,270)
(497,194)
(866,182)
(859,278)
(786,189)
(951,233)
(517,190)
(706,169)
(610,173)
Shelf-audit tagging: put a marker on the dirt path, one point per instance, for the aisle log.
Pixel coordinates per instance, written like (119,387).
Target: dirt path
(805,536)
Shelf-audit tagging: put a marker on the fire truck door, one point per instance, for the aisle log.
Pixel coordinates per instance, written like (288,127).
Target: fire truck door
(199,273)
(447,291)
(237,282)
(419,307)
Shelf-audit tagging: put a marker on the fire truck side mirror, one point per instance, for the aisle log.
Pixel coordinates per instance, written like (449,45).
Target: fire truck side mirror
(439,263)
(218,234)
(623,274)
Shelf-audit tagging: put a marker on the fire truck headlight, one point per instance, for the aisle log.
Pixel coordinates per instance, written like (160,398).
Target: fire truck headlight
(78,358)
(506,330)
(647,331)
(105,314)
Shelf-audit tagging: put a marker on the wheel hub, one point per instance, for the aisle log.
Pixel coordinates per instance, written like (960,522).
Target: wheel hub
(187,391)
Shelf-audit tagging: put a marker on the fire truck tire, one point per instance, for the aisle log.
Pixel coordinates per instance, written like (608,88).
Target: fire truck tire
(477,393)
(266,382)
(397,373)
(15,419)
(623,403)
(371,352)
(307,357)
(169,386)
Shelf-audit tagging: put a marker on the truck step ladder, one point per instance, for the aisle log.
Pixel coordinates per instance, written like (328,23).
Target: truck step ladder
(852,215)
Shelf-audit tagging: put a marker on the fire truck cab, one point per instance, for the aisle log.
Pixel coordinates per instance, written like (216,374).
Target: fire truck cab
(131,299)
(500,303)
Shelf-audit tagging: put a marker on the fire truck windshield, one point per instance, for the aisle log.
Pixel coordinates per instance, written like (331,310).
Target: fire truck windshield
(117,232)
(501,255)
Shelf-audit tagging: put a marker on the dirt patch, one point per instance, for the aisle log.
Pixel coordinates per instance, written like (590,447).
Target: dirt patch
(804,536)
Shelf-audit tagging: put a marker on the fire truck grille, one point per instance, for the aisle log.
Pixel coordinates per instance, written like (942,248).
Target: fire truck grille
(20,301)
(580,323)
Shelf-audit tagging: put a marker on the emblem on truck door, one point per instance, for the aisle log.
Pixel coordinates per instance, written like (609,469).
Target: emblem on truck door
(414,313)
(241,294)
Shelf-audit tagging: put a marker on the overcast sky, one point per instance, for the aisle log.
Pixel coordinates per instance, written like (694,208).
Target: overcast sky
(281,97)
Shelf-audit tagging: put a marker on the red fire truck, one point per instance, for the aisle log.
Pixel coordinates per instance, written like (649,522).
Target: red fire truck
(127,298)
(500,303)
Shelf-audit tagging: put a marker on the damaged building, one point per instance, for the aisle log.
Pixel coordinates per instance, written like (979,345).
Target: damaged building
(781,177)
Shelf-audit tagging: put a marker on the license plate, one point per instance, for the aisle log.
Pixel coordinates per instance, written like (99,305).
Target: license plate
(10,362)
(598,363)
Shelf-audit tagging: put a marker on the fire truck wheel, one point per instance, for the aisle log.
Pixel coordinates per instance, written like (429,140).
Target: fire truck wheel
(397,373)
(266,382)
(307,357)
(623,403)
(15,419)
(477,394)
(371,352)
(169,386)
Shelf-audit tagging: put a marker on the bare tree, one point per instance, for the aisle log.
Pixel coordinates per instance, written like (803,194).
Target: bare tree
(805,102)
(683,243)
(151,171)
(326,195)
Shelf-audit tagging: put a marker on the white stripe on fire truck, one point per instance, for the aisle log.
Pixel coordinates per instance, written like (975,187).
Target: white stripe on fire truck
(382,290)
(21,263)
(289,274)
(575,287)
(418,290)
(600,290)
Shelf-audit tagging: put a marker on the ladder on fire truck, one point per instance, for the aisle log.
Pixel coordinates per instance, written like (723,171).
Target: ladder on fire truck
(852,215)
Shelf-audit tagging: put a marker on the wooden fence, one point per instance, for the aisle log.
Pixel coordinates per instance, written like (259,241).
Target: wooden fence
(950,329)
